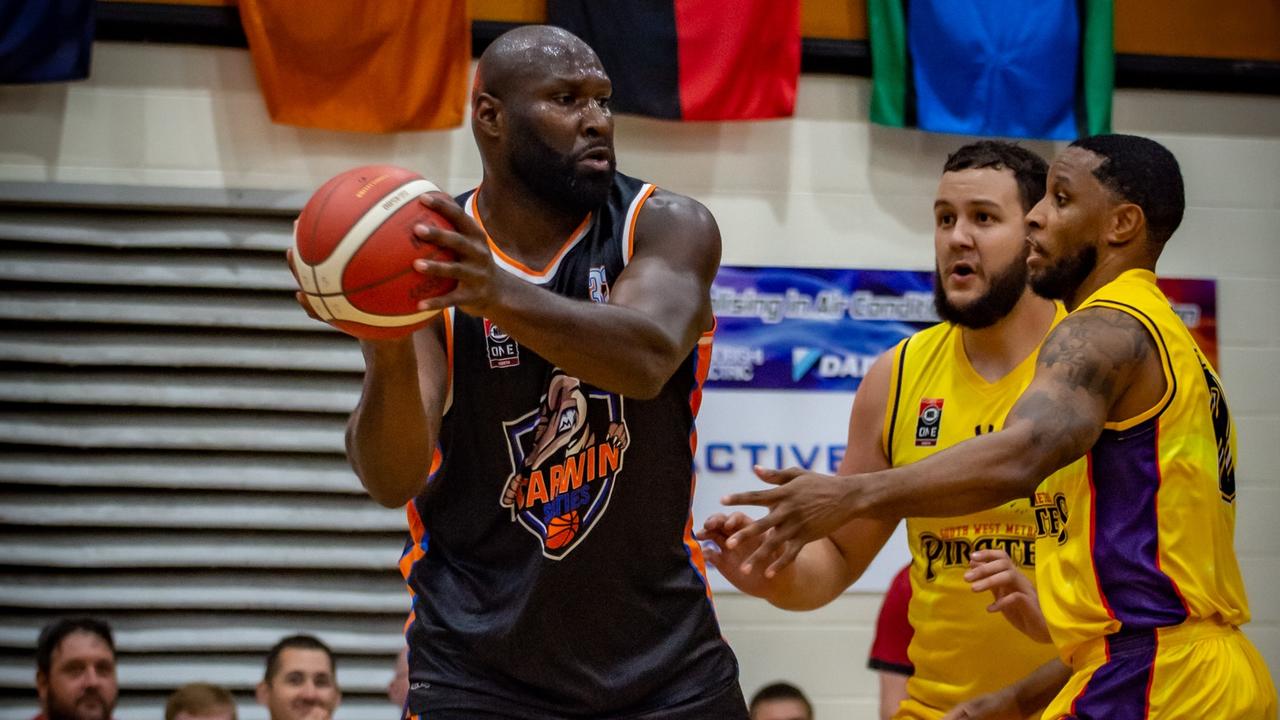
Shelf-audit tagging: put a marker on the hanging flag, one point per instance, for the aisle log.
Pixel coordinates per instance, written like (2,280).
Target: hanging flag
(692,59)
(368,67)
(1006,68)
(45,40)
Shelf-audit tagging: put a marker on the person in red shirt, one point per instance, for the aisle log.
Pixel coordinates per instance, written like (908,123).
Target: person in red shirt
(888,656)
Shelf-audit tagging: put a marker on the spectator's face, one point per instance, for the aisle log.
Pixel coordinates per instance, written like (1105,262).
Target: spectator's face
(303,687)
(81,682)
(780,709)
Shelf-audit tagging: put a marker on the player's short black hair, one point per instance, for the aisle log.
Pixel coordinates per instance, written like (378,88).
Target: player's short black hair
(1143,172)
(780,691)
(1028,168)
(297,642)
(52,635)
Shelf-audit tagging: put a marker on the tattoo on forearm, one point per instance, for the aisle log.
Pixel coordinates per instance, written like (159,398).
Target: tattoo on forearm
(1051,418)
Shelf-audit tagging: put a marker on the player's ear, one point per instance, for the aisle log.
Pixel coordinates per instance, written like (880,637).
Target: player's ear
(486,114)
(1128,223)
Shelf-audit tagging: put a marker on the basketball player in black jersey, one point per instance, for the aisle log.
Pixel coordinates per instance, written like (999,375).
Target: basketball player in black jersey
(538,432)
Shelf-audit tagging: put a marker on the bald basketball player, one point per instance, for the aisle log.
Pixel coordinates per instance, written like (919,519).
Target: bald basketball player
(538,431)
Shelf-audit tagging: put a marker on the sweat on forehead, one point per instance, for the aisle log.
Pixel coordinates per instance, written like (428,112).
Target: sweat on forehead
(530,52)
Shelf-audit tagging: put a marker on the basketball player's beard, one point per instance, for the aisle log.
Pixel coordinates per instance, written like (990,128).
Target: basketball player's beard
(1002,294)
(1061,280)
(556,178)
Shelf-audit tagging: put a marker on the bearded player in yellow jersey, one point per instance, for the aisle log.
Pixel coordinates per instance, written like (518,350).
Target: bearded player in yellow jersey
(938,387)
(1138,580)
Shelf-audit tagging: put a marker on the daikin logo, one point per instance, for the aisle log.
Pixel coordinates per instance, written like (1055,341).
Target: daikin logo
(802,361)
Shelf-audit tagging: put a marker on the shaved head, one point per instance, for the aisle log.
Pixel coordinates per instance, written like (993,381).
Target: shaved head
(540,116)
(528,52)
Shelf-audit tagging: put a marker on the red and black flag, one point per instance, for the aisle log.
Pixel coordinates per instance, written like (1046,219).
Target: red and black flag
(692,59)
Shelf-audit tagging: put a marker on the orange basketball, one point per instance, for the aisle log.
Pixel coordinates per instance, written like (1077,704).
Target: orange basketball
(354,247)
(562,529)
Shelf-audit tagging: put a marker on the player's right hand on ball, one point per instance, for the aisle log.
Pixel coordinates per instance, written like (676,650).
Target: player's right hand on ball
(714,534)
(479,279)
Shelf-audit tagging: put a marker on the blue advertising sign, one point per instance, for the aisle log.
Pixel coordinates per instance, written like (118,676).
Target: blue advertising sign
(811,328)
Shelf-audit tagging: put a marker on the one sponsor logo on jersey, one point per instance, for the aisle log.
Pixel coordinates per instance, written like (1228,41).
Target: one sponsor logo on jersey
(828,365)
(952,547)
(1051,516)
(598,284)
(565,458)
(503,351)
(928,422)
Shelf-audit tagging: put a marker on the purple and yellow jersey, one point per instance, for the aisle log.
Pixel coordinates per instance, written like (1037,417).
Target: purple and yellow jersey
(1143,540)
(959,650)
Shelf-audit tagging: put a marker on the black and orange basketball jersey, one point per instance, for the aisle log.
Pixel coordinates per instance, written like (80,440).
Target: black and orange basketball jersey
(551,558)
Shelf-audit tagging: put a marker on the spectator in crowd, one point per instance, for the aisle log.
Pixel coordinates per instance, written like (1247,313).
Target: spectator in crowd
(780,701)
(301,680)
(76,670)
(200,701)
(888,656)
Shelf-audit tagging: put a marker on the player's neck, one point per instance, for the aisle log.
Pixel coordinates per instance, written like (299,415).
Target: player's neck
(522,226)
(994,351)
(1108,268)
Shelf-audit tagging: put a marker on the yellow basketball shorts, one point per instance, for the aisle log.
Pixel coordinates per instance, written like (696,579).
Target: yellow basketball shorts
(1193,670)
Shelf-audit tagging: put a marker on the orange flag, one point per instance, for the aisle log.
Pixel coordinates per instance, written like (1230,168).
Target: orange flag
(366,67)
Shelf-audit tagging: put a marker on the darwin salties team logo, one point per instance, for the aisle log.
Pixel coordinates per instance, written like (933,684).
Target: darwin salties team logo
(565,459)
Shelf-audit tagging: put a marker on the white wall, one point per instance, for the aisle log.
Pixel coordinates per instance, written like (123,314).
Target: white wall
(825,188)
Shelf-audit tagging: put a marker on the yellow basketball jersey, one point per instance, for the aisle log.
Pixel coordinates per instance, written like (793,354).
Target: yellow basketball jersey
(937,399)
(1143,539)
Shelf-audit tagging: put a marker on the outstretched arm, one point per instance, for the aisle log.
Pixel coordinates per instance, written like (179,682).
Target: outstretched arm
(1091,365)
(828,566)
(658,307)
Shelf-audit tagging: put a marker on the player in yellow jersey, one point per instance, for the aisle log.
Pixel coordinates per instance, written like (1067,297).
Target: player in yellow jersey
(938,387)
(1138,579)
